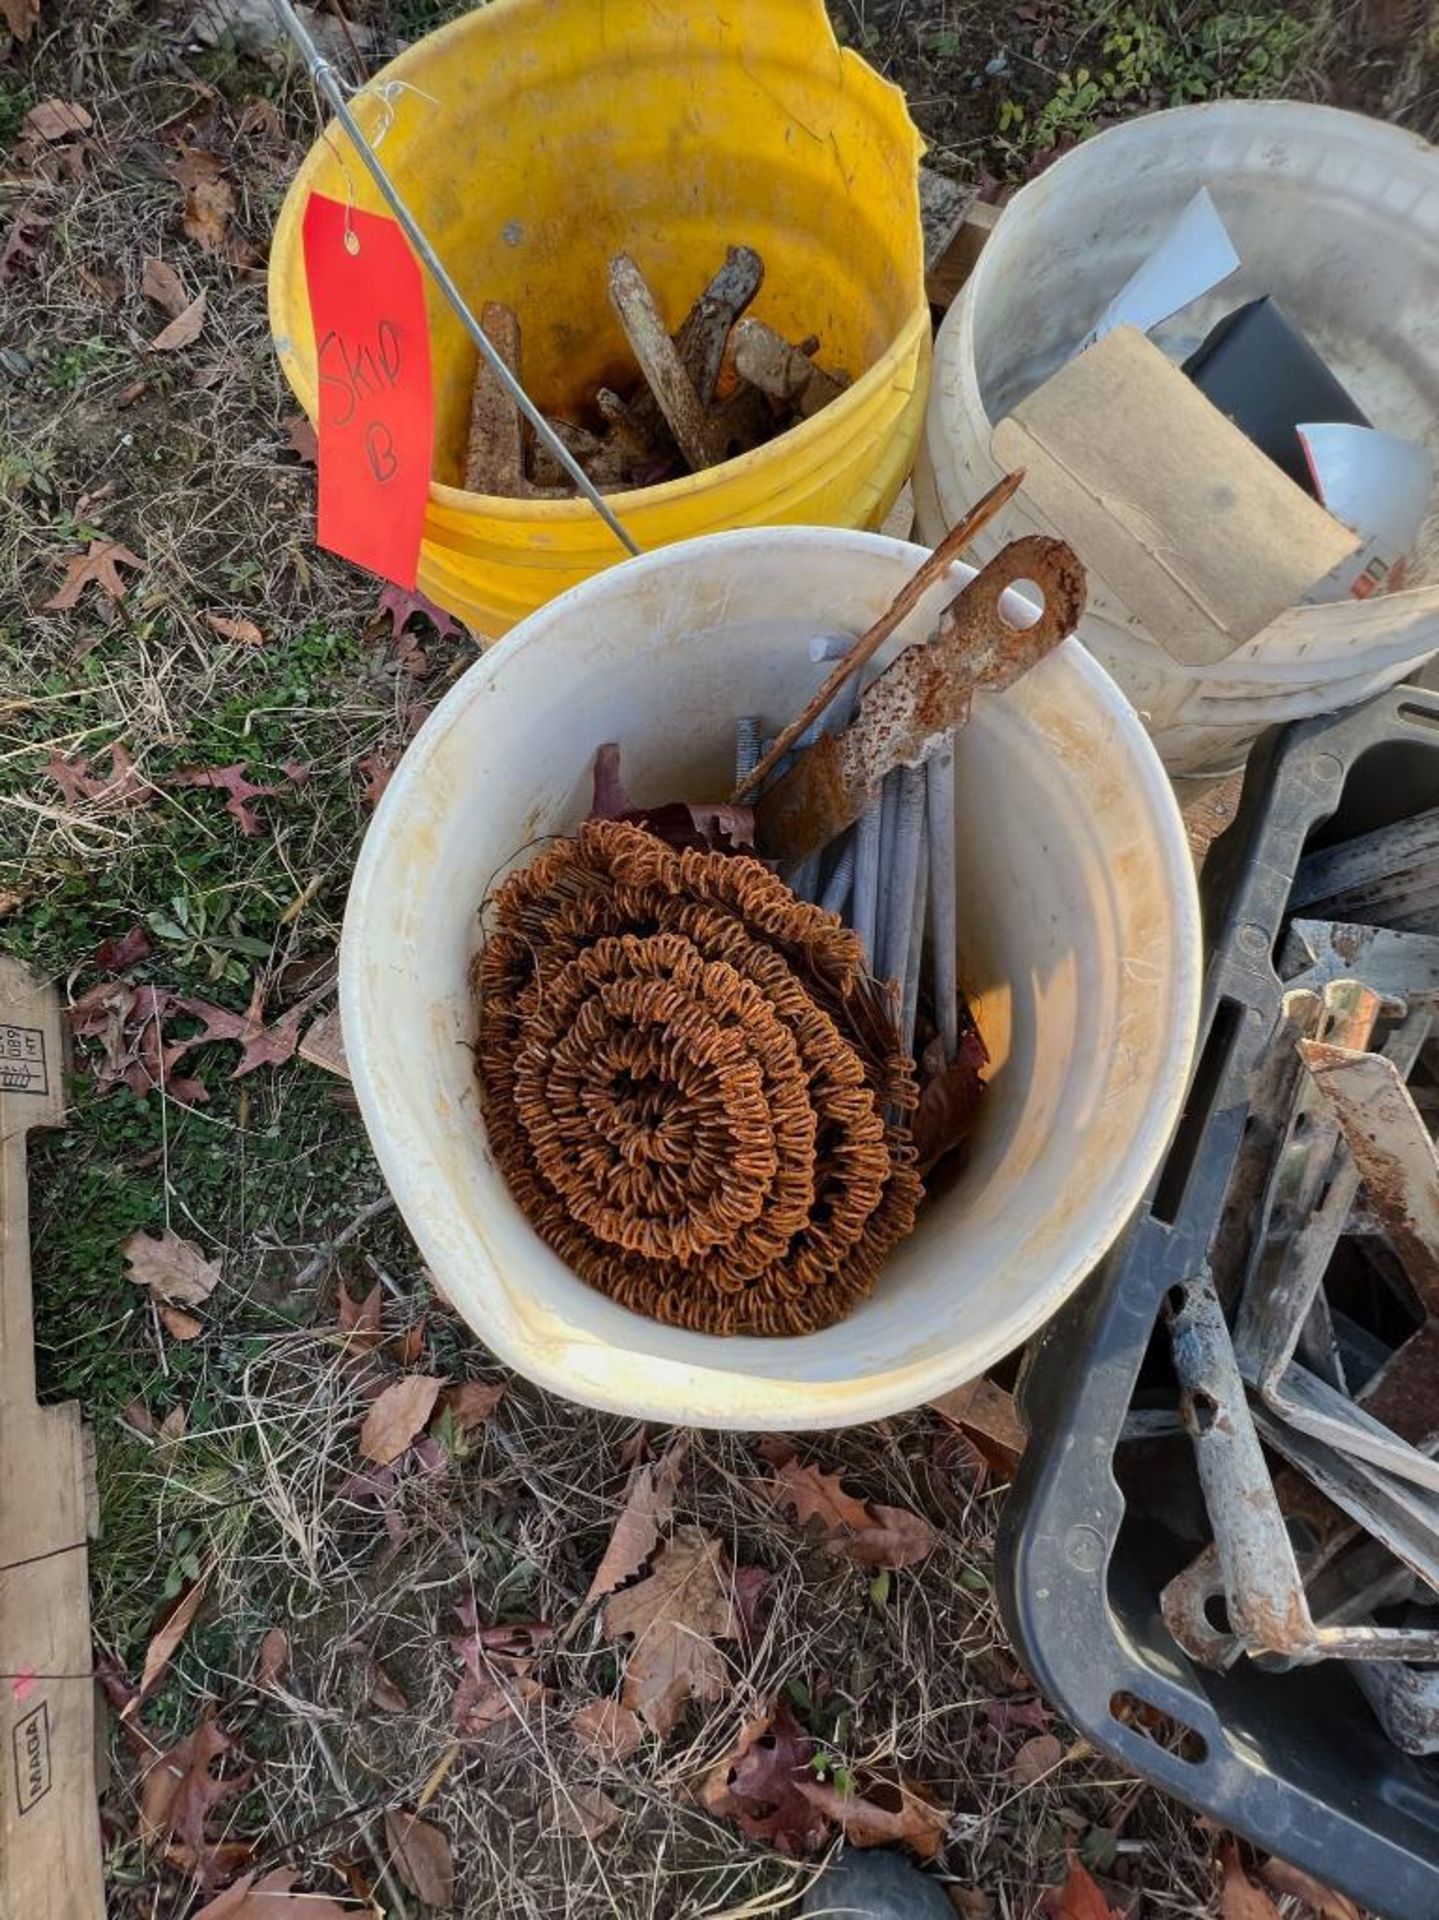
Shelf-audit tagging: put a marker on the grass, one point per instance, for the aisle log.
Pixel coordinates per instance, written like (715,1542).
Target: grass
(194,474)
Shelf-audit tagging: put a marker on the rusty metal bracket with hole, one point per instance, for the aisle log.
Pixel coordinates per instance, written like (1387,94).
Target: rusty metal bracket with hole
(922,696)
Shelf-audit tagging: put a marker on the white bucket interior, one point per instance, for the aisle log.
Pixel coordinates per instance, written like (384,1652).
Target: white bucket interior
(1079,944)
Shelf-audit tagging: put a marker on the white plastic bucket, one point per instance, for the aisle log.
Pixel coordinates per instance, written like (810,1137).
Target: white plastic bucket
(1080,942)
(1334,214)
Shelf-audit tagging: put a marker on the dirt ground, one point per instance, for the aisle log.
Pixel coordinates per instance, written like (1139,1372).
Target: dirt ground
(197,711)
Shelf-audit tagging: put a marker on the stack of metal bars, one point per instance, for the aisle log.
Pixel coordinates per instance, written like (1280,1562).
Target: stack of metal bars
(891,876)
(1307,1346)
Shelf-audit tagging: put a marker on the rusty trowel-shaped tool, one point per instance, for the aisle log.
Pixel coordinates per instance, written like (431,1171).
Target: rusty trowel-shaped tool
(923,695)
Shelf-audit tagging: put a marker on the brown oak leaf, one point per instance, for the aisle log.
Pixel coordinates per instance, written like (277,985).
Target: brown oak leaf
(398,1416)
(883,1813)
(649,1502)
(160,282)
(173,1269)
(1285,1878)
(498,1682)
(758,1784)
(421,1853)
(401,607)
(274,1898)
(123,786)
(244,631)
(100,564)
(301,438)
(360,1319)
(608,1728)
(179,1324)
(584,1813)
(274,1660)
(179,1792)
(472,1402)
(23,238)
(261,1045)
(209,209)
(1078,1899)
(184,330)
(230,780)
(949,1100)
(890,1537)
(128,1023)
(1239,1897)
(20,16)
(377,768)
(1038,1756)
(118,956)
(675,1616)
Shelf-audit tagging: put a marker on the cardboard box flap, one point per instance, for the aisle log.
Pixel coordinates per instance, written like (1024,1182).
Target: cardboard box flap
(1202,538)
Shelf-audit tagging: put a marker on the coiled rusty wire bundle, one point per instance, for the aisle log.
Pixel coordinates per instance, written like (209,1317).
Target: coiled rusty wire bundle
(686,1075)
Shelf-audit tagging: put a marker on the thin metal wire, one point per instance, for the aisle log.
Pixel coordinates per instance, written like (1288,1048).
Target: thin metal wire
(322,73)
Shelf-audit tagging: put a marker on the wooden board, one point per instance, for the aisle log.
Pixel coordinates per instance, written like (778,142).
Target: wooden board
(946,274)
(49,1820)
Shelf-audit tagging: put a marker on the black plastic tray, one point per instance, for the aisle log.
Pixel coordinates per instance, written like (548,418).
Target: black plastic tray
(1294,1761)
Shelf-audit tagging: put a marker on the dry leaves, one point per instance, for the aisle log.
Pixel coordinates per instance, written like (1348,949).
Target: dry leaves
(301,438)
(160,282)
(583,1813)
(244,631)
(498,1681)
(118,956)
(885,1813)
(260,1046)
(128,1023)
(422,1855)
(179,1792)
(161,1649)
(173,1269)
(872,1536)
(209,209)
(377,768)
(20,16)
(99,566)
(360,1319)
(398,1416)
(676,1615)
(173,1426)
(608,1728)
(1037,1757)
(1078,1899)
(1294,1880)
(123,786)
(273,1898)
(180,1325)
(649,1502)
(384,1693)
(274,1660)
(56,119)
(1239,1898)
(472,1402)
(184,330)
(761,1784)
(401,607)
(242,791)
(949,1100)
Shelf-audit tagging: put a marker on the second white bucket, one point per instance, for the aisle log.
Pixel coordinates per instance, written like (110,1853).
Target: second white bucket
(1080,946)
(1334,214)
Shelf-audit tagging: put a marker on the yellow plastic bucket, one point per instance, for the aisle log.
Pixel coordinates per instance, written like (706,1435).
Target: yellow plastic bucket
(533,140)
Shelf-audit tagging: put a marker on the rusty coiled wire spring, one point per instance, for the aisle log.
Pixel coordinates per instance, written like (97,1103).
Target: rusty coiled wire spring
(685,1075)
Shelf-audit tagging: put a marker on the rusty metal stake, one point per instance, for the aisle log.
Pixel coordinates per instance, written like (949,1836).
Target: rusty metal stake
(660,363)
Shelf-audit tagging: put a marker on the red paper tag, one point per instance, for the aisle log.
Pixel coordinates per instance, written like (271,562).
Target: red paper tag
(377,420)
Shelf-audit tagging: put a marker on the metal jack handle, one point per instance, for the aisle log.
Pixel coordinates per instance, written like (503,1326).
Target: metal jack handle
(323,75)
